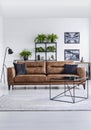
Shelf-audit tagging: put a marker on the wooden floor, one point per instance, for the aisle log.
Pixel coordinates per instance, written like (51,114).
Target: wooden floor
(44,120)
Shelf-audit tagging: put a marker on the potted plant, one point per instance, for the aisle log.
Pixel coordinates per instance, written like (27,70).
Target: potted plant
(50,49)
(25,54)
(39,49)
(48,38)
(51,37)
(40,38)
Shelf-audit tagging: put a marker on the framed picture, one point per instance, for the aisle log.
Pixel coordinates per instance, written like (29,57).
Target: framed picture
(72,54)
(72,37)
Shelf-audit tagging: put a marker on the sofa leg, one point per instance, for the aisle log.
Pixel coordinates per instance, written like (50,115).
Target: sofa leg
(12,86)
(35,87)
(84,86)
(8,87)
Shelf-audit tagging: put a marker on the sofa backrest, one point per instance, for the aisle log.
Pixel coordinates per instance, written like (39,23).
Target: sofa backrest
(56,67)
(45,67)
(34,67)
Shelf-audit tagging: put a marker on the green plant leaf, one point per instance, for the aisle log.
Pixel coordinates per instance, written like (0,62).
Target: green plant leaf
(25,52)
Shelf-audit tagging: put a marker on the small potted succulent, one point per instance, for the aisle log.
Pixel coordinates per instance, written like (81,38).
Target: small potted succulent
(25,54)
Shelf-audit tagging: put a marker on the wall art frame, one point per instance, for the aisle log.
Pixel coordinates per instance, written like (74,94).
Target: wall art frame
(72,54)
(72,37)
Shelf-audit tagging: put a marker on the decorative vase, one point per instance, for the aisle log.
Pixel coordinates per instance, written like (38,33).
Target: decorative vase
(38,57)
(82,59)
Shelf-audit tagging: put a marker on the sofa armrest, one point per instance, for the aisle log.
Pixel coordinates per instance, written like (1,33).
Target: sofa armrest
(81,71)
(10,75)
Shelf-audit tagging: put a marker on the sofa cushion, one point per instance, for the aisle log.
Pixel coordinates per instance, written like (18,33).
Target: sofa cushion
(35,70)
(59,76)
(56,67)
(70,69)
(20,69)
(35,67)
(30,78)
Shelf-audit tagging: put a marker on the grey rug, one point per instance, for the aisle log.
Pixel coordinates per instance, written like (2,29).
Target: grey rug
(38,100)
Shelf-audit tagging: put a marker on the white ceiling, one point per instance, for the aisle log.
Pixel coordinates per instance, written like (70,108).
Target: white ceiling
(45,8)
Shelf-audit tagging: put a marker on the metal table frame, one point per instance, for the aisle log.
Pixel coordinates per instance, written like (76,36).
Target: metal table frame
(68,88)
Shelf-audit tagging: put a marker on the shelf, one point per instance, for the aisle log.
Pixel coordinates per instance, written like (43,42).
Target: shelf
(40,52)
(51,51)
(46,51)
(46,55)
(46,43)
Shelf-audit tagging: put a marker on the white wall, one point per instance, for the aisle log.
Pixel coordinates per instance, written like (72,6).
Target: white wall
(90,39)
(20,34)
(90,42)
(1,42)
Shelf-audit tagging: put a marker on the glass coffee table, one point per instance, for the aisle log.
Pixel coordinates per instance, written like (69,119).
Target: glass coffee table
(70,86)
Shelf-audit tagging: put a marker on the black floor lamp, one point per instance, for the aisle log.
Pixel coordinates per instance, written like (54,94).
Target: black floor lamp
(4,65)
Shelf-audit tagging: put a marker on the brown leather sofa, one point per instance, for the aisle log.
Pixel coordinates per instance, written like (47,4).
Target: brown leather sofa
(41,72)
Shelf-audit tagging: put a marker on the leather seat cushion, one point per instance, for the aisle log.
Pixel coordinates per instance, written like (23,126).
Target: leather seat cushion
(30,78)
(59,76)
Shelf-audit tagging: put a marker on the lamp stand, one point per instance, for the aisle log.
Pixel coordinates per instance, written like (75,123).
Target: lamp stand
(4,65)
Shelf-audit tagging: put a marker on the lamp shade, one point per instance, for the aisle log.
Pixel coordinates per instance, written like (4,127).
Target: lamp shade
(10,51)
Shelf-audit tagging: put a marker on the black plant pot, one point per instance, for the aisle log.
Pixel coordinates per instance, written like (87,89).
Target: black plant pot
(52,40)
(25,57)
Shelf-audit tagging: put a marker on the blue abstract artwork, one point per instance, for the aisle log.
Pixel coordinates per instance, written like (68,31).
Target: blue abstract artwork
(72,37)
(72,54)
